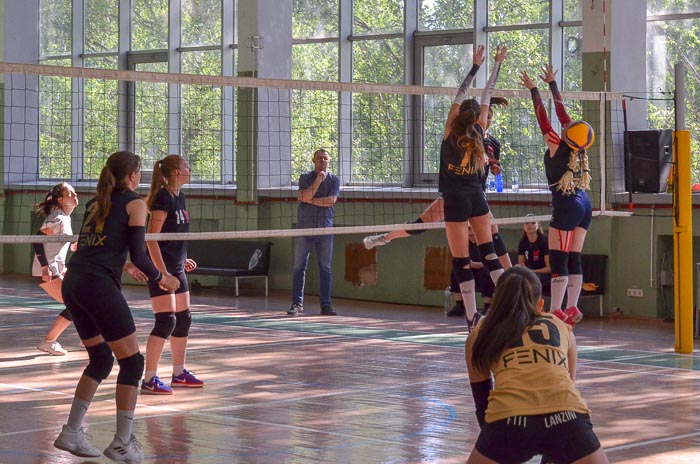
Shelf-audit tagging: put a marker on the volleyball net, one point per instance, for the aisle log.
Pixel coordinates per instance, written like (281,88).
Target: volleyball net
(249,139)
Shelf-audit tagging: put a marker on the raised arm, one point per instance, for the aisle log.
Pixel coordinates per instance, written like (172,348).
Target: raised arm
(550,136)
(549,76)
(487,93)
(477,61)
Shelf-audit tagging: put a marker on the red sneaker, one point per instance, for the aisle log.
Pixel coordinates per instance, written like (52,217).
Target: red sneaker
(574,314)
(563,316)
(186,379)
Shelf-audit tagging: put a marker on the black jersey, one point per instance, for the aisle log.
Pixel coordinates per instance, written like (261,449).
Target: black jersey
(174,252)
(555,167)
(492,148)
(534,252)
(454,177)
(102,249)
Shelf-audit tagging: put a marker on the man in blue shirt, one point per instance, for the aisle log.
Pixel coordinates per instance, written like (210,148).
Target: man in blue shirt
(318,192)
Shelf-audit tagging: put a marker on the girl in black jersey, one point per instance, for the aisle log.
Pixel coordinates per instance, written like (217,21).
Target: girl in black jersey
(166,203)
(462,169)
(568,176)
(533,253)
(113,225)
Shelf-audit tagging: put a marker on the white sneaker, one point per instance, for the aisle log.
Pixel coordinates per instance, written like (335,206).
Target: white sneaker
(124,452)
(52,348)
(373,241)
(76,443)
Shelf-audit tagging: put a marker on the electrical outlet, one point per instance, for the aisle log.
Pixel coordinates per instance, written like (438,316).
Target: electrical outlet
(635,292)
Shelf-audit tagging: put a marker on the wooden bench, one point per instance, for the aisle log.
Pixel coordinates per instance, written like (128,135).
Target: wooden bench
(230,258)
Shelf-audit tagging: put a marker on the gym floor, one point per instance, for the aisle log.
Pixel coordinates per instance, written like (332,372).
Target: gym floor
(379,383)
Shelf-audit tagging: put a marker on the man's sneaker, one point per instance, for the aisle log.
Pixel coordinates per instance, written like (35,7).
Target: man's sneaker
(52,348)
(129,452)
(327,311)
(471,324)
(186,379)
(155,387)
(374,241)
(574,314)
(76,443)
(295,309)
(457,310)
(563,316)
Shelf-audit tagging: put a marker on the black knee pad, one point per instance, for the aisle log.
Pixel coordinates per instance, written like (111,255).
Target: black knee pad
(101,362)
(182,324)
(559,263)
(130,370)
(575,266)
(489,257)
(165,323)
(499,245)
(462,274)
(415,231)
(65,314)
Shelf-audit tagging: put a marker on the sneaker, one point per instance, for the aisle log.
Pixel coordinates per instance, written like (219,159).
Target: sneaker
(457,310)
(295,309)
(563,316)
(129,452)
(574,314)
(374,241)
(471,324)
(327,311)
(186,379)
(52,348)
(76,443)
(155,387)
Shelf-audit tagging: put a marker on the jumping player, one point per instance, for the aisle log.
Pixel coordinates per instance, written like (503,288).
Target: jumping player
(166,203)
(568,176)
(534,407)
(114,224)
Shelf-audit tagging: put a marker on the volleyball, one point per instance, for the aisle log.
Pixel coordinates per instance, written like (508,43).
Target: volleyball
(579,135)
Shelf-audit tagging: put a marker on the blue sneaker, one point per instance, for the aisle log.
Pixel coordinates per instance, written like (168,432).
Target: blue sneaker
(186,379)
(155,387)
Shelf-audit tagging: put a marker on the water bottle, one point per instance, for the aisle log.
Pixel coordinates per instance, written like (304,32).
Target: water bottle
(499,182)
(254,259)
(491,182)
(515,181)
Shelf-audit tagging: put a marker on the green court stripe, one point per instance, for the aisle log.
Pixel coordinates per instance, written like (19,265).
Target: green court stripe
(305,325)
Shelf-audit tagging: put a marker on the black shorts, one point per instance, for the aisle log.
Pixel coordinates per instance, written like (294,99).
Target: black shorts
(459,207)
(562,437)
(97,306)
(154,289)
(572,211)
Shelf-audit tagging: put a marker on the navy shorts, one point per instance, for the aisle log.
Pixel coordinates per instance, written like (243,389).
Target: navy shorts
(154,289)
(459,207)
(562,437)
(572,211)
(97,306)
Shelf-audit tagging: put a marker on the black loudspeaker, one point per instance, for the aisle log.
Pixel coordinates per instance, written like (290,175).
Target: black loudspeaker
(648,158)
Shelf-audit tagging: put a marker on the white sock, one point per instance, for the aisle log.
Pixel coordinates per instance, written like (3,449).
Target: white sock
(149,375)
(573,289)
(77,413)
(468,297)
(558,287)
(495,275)
(177,370)
(125,420)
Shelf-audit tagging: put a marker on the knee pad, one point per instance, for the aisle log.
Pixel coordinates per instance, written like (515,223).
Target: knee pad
(165,323)
(416,231)
(499,245)
(101,362)
(575,267)
(65,314)
(454,285)
(130,370)
(182,324)
(489,257)
(558,263)
(462,274)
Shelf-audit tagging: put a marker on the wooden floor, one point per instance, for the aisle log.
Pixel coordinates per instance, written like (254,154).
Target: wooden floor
(377,384)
